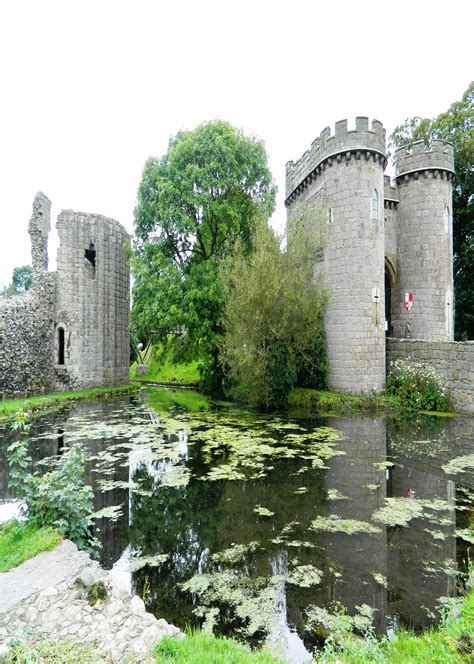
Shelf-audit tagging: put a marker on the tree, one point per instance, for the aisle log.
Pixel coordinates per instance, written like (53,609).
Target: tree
(193,204)
(273,316)
(456,125)
(21,280)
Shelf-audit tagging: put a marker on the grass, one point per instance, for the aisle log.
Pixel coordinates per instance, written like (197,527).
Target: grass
(19,541)
(161,369)
(201,648)
(323,401)
(8,407)
(451,643)
(52,652)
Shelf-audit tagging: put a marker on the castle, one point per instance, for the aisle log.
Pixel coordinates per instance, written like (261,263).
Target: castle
(70,331)
(387,247)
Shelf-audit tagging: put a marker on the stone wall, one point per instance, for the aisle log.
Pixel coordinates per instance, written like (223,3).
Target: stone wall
(92,301)
(26,339)
(454,360)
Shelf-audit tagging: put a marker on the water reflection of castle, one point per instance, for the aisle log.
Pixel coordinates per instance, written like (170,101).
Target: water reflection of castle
(413,560)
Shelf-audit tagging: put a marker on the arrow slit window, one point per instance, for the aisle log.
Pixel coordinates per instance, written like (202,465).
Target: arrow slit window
(375,205)
(446,220)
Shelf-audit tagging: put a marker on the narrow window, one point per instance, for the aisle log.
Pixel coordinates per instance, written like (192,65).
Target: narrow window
(375,205)
(60,345)
(330,216)
(89,256)
(447,220)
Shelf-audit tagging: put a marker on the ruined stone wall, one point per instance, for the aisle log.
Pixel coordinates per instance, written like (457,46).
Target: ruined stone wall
(26,321)
(341,173)
(454,360)
(425,255)
(26,338)
(92,301)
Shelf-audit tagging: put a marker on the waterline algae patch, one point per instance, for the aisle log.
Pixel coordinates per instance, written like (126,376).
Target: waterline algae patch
(334,524)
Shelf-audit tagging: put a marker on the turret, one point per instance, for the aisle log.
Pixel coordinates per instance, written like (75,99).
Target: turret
(344,174)
(424,263)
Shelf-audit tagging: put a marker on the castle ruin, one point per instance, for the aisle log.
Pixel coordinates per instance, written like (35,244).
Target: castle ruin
(70,330)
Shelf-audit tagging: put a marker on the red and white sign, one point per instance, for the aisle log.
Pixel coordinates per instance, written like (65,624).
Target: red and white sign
(408,301)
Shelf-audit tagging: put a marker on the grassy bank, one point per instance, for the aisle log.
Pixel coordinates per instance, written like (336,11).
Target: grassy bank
(19,541)
(8,407)
(323,401)
(161,369)
(201,648)
(451,643)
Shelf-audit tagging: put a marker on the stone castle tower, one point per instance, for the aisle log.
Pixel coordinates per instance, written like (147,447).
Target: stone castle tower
(379,242)
(70,331)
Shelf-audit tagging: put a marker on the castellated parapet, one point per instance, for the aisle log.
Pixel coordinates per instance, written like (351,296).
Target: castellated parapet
(361,142)
(385,244)
(71,329)
(437,157)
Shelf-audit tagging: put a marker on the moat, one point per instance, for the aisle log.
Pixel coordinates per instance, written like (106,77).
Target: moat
(270,527)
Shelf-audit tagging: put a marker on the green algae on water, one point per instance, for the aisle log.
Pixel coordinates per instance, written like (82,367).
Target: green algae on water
(236,553)
(335,494)
(305,576)
(263,511)
(459,465)
(334,524)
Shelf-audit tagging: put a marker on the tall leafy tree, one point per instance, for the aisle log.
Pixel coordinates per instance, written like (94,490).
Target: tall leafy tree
(193,204)
(21,280)
(273,316)
(456,125)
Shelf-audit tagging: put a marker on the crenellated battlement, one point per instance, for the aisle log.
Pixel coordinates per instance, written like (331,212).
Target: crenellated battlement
(359,140)
(439,156)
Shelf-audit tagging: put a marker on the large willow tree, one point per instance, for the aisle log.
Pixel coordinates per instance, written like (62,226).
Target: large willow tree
(193,204)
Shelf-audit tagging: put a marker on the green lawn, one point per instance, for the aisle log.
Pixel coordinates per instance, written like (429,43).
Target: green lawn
(19,541)
(8,407)
(201,648)
(161,369)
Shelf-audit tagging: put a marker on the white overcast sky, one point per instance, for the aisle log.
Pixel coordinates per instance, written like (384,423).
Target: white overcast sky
(90,89)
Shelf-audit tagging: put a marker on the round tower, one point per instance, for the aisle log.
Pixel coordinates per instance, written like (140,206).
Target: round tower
(425,242)
(343,174)
(92,305)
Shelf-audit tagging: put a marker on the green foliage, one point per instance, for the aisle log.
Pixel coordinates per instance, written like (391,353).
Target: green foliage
(193,204)
(52,652)
(21,541)
(417,386)
(21,280)
(272,317)
(201,648)
(451,643)
(57,498)
(313,365)
(166,366)
(456,125)
(10,407)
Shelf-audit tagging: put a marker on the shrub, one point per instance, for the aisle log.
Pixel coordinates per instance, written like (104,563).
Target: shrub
(417,386)
(313,366)
(58,498)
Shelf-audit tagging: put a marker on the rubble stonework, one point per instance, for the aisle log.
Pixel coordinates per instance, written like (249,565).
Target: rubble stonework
(63,595)
(70,330)
(379,240)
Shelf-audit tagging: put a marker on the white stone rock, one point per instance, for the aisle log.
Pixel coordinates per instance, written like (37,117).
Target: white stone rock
(50,591)
(137,606)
